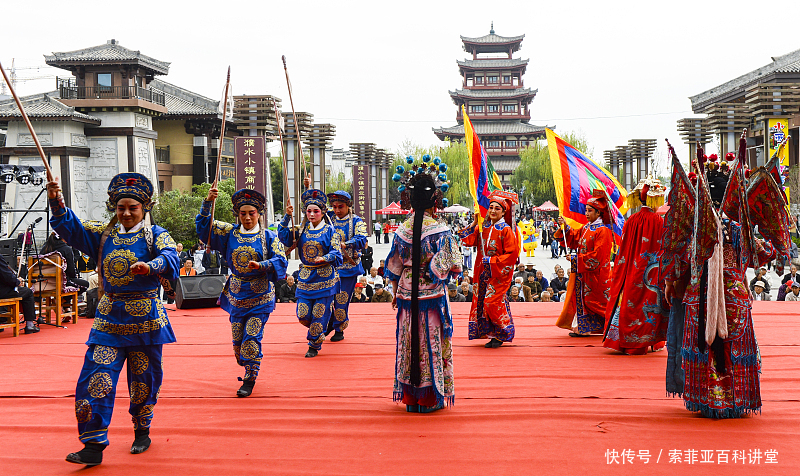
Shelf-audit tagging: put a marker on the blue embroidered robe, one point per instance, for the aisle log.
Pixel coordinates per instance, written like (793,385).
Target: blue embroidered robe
(130,312)
(354,235)
(247,291)
(317,280)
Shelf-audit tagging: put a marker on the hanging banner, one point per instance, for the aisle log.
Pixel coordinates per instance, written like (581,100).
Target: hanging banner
(227,170)
(362,206)
(778,128)
(250,162)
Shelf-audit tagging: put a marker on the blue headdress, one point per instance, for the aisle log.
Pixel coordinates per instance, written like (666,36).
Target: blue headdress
(435,169)
(341,196)
(313,196)
(246,196)
(130,185)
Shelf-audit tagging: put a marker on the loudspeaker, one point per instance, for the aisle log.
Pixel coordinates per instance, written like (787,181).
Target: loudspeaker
(196,292)
(8,248)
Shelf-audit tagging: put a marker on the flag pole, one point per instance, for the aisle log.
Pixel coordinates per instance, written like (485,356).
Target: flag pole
(294,115)
(30,126)
(219,151)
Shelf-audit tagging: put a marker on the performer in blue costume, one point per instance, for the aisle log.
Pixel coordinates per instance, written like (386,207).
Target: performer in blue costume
(130,324)
(319,245)
(257,260)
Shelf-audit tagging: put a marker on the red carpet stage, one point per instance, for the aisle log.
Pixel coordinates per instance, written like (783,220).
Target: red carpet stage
(546,404)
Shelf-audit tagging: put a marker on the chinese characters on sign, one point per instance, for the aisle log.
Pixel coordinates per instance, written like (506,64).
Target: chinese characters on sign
(692,456)
(250,160)
(361,199)
(227,169)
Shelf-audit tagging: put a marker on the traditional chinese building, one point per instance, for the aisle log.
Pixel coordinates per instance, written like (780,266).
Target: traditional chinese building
(378,161)
(765,101)
(497,101)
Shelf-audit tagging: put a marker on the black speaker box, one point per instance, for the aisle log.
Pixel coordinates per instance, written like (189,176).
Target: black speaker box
(8,248)
(196,292)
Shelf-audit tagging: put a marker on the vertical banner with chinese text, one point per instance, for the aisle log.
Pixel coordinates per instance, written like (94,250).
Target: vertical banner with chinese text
(361,199)
(778,130)
(227,169)
(250,159)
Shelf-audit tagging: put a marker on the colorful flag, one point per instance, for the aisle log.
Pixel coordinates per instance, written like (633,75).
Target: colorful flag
(482,177)
(575,176)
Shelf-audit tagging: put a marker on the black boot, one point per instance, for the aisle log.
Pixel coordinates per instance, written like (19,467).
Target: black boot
(493,344)
(141,441)
(246,389)
(90,455)
(312,352)
(337,336)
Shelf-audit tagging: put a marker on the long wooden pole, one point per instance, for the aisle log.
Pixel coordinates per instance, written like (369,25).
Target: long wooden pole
(30,126)
(219,150)
(283,158)
(294,115)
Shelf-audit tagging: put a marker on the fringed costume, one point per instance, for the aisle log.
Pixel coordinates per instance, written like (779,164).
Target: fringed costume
(319,281)
(130,324)
(354,236)
(590,275)
(249,294)
(635,320)
(424,257)
(498,247)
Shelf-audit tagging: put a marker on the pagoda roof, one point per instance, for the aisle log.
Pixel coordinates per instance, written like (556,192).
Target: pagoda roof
(493,63)
(492,39)
(786,65)
(182,102)
(44,106)
(493,128)
(109,53)
(492,93)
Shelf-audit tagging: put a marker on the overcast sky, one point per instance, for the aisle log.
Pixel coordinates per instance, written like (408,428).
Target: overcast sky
(380,72)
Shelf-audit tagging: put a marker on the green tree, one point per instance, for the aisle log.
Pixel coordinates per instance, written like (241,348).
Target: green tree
(276,173)
(533,179)
(176,210)
(338,182)
(454,154)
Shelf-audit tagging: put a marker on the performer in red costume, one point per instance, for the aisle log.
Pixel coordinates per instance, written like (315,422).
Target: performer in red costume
(498,252)
(590,278)
(635,318)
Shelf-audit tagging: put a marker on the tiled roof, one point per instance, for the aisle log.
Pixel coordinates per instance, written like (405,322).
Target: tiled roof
(493,63)
(493,128)
(111,52)
(45,105)
(182,102)
(786,64)
(492,38)
(492,93)
(506,165)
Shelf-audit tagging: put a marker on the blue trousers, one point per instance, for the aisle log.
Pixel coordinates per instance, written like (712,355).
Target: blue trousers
(341,306)
(315,314)
(247,332)
(675,375)
(97,387)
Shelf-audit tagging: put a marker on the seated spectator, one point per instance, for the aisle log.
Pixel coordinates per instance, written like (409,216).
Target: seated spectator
(792,275)
(542,280)
(759,294)
(188,268)
(55,243)
(530,270)
(367,288)
(521,273)
(559,284)
(374,278)
(381,267)
(466,279)
(546,297)
(761,275)
(523,292)
(795,294)
(453,294)
(535,287)
(514,294)
(553,295)
(358,293)
(465,291)
(380,294)
(287,291)
(554,274)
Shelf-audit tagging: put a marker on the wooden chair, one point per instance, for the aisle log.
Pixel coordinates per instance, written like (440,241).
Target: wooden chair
(47,280)
(11,313)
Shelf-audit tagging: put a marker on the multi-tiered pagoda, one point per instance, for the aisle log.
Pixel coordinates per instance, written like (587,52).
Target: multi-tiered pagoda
(496,99)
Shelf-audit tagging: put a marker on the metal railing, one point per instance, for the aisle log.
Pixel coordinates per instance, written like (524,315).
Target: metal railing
(111,92)
(162,154)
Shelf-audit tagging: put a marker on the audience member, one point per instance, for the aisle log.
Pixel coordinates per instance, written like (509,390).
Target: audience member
(366,259)
(466,291)
(795,294)
(761,275)
(559,284)
(286,293)
(534,286)
(367,288)
(374,278)
(13,286)
(453,294)
(380,294)
(521,273)
(546,297)
(381,267)
(542,280)
(553,295)
(523,292)
(188,268)
(791,275)
(759,293)
(358,293)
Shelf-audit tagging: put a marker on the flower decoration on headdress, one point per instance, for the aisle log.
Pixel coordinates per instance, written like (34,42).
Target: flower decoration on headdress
(130,185)
(246,196)
(408,177)
(316,197)
(730,156)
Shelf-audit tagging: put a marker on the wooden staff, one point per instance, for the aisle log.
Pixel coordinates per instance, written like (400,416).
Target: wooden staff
(219,151)
(279,120)
(294,115)
(30,126)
